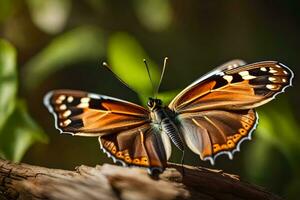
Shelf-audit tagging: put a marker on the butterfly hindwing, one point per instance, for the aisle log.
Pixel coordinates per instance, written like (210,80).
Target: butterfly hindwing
(143,146)
(87,114)
(215,132)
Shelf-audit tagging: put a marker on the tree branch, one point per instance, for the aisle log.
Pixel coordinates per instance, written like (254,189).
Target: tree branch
(110,182)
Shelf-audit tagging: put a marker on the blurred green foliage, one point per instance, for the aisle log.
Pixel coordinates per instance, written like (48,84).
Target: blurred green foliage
(126,58)
(279,127)
(19,133)
(17,130)
(82,43)
(8,81)
(60,39)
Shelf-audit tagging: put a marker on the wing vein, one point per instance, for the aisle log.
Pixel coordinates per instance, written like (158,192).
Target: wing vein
(219,130)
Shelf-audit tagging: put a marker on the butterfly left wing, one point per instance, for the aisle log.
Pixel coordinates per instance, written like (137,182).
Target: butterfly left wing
(125,130)
(143,146)
(216,112)
(87,114)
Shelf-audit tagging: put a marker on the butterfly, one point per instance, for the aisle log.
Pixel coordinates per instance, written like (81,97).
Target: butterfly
(212,116)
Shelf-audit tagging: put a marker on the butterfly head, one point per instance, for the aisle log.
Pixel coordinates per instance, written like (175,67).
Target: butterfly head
(154,103)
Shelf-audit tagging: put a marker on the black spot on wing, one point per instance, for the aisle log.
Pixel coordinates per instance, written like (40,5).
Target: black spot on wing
(75,124)
(263,91)
(74,102)
(259,72)
(97,104)
(220,82)
(260,80)
(76,111)
(236,78)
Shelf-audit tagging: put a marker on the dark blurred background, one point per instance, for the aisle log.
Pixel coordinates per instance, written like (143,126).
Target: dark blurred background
(61,44)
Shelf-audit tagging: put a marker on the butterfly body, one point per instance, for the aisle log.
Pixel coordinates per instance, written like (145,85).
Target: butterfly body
(211,117)
(163,117)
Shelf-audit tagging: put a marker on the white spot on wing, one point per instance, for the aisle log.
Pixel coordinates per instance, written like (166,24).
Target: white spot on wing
(249,77)
(61,97)
(263,69)
(62,107)
(244,73)
(85,100)
(272,79)
(66,113)
(67,122)
(246,76)
(272,70)
(271,86)
(228,78)
(83,105)
(70,99)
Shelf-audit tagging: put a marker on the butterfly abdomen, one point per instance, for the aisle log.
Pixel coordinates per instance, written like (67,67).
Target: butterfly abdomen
(171,130)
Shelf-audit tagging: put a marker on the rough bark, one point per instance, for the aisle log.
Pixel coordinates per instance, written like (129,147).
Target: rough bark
(109,182)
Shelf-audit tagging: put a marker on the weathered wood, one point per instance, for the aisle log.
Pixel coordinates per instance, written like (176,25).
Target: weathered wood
(109,182)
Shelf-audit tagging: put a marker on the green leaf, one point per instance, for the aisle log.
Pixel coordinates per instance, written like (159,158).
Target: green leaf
(8,80)
(19,133)
(49,16)
(83,43)
(126,56)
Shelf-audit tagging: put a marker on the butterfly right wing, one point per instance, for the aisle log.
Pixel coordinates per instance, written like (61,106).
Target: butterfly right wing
(216,112)
(87,114)
(234,87)
(143,146)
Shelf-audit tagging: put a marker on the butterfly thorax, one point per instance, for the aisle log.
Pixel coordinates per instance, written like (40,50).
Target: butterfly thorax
(162,116)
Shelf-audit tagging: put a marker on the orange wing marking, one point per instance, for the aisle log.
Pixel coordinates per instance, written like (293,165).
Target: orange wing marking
(124,155)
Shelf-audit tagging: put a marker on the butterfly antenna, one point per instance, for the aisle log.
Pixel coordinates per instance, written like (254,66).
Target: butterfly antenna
(148,71)
(162,74)
(109,69)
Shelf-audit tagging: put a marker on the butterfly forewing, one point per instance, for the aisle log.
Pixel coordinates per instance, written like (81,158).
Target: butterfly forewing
(235,88)
(87,114)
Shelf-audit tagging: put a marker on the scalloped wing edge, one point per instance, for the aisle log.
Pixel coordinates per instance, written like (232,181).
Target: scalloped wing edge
(115,160)
(50,108)
(230,154)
